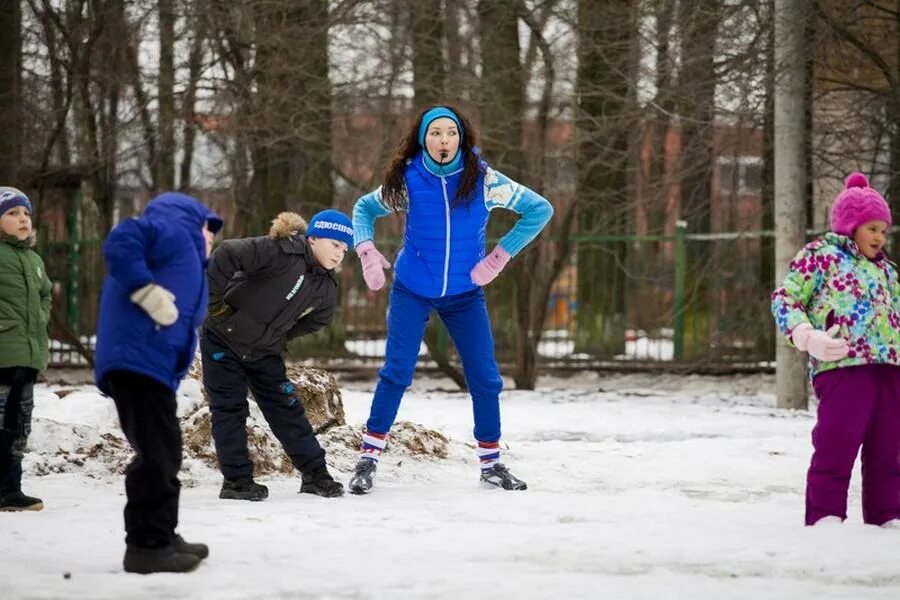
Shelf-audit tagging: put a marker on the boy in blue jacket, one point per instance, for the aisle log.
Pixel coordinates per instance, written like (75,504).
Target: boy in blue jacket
(154,299)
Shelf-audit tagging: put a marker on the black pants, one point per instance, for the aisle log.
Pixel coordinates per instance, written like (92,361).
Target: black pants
(226,378)
(147,412)
(16,406)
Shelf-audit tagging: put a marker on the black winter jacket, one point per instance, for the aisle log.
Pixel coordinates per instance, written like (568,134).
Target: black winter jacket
(264,291)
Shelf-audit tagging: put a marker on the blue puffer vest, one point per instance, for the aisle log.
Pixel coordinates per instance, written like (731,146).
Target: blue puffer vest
(442,243)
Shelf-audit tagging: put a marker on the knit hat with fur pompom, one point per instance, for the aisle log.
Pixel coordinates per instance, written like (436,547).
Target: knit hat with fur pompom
(856,205)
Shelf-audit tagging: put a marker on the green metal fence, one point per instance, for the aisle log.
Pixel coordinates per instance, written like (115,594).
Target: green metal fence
(685,298)
(638,300)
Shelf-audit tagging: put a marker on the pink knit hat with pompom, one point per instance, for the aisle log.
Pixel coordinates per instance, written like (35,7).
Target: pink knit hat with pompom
(856,205)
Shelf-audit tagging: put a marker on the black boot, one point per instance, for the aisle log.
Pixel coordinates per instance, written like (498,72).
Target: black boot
(363,477)
(201,551)
(17,501)
(158,560)
(499,476)
(321,483)
(243,488)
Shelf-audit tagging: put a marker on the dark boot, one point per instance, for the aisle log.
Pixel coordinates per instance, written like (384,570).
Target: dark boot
(363,477)
(243,488)
(499,476)
(158,560)
(321,483)
(201,551)
(17,501)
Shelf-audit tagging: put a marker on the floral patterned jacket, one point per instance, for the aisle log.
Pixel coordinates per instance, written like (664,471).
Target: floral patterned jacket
(831,282)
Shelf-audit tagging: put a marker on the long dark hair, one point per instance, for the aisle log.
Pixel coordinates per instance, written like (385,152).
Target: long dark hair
(393,189)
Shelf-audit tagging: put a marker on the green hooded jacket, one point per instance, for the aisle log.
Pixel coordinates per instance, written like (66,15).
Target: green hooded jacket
(24,305)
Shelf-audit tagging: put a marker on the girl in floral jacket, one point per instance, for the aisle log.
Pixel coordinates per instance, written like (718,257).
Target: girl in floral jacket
(840,302)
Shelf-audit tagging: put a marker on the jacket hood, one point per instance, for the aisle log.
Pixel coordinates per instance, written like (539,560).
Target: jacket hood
(186,210)
(286,225)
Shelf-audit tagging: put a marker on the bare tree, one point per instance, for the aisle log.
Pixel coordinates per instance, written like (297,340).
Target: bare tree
(698,22)
(10,90)
(164,176)
(275,54)
(606,38)
(427,28)
(502,83)
(189,124)
(857,95)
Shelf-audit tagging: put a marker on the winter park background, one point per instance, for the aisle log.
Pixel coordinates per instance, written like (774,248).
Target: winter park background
(640,486)
(689,148)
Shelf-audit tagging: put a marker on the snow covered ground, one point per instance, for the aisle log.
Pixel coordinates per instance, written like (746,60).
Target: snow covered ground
(640,487)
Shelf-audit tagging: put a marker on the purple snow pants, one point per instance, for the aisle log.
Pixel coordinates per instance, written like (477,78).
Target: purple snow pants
(857,406)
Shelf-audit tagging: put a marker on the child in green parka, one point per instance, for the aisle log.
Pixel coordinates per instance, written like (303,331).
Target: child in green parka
(24,314)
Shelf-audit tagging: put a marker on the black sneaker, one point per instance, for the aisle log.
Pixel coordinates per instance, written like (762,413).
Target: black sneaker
(243,488)
(201,551)
(321,483)
(499,476)
(363,477)
(158,560)
(17,501)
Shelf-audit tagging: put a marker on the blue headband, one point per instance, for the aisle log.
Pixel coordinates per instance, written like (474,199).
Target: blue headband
(436,113)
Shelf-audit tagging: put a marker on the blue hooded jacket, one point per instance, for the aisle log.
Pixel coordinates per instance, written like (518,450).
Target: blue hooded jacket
(165,246)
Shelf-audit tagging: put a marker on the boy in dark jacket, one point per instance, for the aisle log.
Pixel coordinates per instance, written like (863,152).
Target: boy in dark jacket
(24,313)
(265,291)
(154,299)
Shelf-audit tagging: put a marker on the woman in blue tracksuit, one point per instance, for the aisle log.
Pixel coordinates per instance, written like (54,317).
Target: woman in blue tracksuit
(447,192)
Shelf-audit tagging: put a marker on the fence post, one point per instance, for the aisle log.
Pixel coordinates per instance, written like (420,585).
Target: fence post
(680,279)
(74,245)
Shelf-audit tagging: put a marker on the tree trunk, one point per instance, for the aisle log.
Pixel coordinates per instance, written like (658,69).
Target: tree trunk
(61,96)
(10,91)
(790,176)
(427,26)
(457,79)
(502,110)
(292,156)
(605,43)
(767,244)
(533,277)
(698,24)
(165,167)
(188,103)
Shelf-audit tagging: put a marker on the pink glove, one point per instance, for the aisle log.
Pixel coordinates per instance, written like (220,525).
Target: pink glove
(490,266)
(373,264)
(820,344)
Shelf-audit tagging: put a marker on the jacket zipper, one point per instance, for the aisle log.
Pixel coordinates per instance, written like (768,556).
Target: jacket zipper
(447,242)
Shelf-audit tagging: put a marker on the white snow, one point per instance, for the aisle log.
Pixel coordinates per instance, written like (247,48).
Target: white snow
(551,346)
(640,487)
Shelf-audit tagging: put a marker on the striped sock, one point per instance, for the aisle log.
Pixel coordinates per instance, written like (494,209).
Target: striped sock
(488,454)
(372,445)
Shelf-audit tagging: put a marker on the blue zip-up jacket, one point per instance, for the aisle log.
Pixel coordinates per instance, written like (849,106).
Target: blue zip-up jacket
(443,243)
(164,246)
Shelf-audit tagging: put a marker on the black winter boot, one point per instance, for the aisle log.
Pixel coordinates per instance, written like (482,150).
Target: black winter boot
(321,483)
(17,501)
(158,560)
(201,551)
(243,488)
